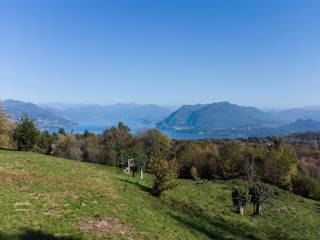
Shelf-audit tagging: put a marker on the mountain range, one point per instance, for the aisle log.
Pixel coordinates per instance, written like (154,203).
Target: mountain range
(216,120)
(51,116)
(134,115)
(226,120)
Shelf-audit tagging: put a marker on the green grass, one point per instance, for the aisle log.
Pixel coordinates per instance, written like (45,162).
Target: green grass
(44,197)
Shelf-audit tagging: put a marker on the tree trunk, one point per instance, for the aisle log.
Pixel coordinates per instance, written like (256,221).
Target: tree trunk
(240,210)
(257,210)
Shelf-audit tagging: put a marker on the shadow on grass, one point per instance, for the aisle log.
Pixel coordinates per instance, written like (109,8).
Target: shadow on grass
(142,187)
(8,149)
(30,234)
(217,226)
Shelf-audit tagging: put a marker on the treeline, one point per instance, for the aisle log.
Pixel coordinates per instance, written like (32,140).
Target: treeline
(288,166)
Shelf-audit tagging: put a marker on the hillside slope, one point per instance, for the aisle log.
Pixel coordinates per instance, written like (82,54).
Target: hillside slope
(51,198)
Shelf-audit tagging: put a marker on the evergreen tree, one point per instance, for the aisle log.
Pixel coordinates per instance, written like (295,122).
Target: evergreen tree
(25,134)
(62,131)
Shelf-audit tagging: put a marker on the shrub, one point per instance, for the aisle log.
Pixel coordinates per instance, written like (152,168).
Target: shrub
(259,193)
(165,173)
(240,197)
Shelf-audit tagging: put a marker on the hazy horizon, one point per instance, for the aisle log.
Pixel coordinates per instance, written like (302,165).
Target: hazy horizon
(65,105)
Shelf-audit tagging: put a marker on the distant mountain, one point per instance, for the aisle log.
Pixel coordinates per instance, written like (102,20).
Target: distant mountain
(61,106)
(42,117)
(291,115)
(217,116)
(134,115)
(301,125)
(216,120)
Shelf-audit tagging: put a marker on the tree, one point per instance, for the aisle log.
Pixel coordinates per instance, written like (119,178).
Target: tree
(194,173)
(231,156)
(86,133)
(115,141)
(61,131)
(92,149)
(66,146)
(280,166)
(240,197)
(139,157)
(251,166)
(44,143)
(154,143)
(25,134)
(201,156)
(165,173)
(260,193)
(5,130)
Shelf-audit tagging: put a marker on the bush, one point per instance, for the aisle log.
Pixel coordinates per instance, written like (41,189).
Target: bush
(165,173)
(259,193)
(240,197)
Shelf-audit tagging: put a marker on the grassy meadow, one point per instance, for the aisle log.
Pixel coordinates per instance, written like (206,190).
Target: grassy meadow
(43,197)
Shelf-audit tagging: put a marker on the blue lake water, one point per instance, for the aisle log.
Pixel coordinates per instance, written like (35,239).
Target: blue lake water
(134,129)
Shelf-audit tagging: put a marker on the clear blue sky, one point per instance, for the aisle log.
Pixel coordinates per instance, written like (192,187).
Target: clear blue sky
(264,53)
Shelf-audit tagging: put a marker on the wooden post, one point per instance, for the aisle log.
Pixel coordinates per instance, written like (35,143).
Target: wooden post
(141,174)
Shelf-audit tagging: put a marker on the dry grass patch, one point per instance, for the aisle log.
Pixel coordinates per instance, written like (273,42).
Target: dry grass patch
(103,227)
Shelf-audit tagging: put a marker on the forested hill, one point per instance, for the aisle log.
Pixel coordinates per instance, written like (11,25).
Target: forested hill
(219,115)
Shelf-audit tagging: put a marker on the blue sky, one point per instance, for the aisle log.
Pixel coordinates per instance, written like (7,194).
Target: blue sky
(264,53)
